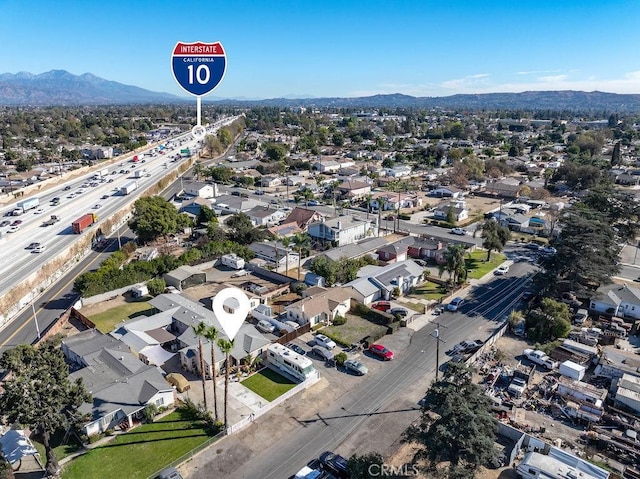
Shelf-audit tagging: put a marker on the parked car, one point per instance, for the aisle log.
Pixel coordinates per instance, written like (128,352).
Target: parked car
(501,270)
(533,246)
(420,262)
(235,193)
(399,311)
(294,347)
(324,341)
(356,366)
(466,347)
(458,358)
(265,326)
(322,353)
(313,203)
(455,304)
(382,306)
(259,192)
(240,273)
(382,352)
(334,463)
(169,473)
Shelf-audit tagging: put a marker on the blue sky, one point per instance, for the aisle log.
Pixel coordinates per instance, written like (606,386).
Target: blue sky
(337,48)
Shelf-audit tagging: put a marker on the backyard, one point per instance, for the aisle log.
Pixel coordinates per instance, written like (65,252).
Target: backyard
(106,320)
(268,384)
(354,330)
(477,266)
(142,451)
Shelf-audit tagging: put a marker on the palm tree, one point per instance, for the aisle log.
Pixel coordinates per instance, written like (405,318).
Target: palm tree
(454,263)
(198,169)
(367,198)
(286,242)
(212,335)
(302,241)
(200,330)
(225,346)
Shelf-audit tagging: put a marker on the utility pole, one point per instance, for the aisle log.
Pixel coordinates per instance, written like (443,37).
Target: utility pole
(35,318)
(436,334)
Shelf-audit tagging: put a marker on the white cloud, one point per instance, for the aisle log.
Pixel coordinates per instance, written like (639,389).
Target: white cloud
(554,78)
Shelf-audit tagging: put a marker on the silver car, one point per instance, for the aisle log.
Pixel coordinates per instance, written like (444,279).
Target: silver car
(322,353)
(356,366)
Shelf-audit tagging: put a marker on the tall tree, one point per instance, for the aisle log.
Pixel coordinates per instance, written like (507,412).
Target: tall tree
(153,217)
(226,346)
(462,430)
(38,393)
(200,330)
(302,242)
(211,334)
(454,263)
(286,242)
(494,237)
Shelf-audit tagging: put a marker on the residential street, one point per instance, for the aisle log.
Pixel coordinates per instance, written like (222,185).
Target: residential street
(368,417)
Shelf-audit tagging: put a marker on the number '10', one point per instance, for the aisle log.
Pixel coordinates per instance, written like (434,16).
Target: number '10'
(202,74)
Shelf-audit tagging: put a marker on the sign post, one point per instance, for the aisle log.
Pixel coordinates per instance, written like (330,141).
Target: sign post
(198,68)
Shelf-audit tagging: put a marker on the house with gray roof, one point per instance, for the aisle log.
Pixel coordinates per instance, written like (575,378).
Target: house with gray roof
(378,282)
(355,250)
(185,276)
(120,384)
(343,230)
(617,300)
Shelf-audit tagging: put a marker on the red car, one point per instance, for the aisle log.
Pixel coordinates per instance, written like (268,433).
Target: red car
(382,306)
(380,351)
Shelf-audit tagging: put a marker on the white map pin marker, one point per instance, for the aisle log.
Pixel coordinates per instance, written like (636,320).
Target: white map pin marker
(230,306)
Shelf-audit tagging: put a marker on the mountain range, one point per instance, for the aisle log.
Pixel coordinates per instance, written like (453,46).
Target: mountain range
(59,87)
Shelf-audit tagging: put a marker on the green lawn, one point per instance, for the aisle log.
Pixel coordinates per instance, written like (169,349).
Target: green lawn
(418,307)
(353,331)
(141,451)
(268,384)
(61,450)
(429,291)
(106,321)
(478,266)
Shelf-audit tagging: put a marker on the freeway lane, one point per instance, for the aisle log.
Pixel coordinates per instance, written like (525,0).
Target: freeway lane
(372,416)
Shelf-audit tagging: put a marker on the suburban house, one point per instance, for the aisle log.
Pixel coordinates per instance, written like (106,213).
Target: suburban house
(427,249)
(275,254)
(393,201)
(121,385)
(398,171)
(303,217)
(199,189)
(327,166)
(447,192)
(264,215)
(322,307)
(394,252)
(342,230)
(379,282)
(354,189)
(614,363)
(617,300)
(270,181)
(285,230)
(148,337)
(514,220)
(459,208)
(235,204)
(507,188)
(186,314)
(356,250)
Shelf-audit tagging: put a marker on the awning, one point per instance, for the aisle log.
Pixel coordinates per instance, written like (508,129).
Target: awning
(156,355)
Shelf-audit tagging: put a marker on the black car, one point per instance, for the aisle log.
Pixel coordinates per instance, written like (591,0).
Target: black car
(66,188)
(235,193)
(296,348)
(334,463)
(399,311)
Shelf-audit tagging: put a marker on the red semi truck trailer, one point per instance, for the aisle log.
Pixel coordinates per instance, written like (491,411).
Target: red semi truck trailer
(79,225)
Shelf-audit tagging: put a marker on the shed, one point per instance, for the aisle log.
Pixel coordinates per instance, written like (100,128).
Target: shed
(185,276)
(139,291)
(572,370)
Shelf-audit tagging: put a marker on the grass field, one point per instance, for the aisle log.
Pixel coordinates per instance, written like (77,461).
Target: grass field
(140,452)
(61,450)
(429,291)
(478,266)
(354,330)
(106,320)
(268,384)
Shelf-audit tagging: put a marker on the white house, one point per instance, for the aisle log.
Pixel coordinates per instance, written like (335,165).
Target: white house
(265,216)
(270,180)
(200,190)
(320,308)
(327,166)
(398,171)
(459,208)
(343,230)
(379,282)
(275,254)
(617,300)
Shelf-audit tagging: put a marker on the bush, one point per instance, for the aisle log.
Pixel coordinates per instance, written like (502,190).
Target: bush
(393,327)
(340,358)
(373,315)
(149,412)
(339,320)
(156,286)
(298,287)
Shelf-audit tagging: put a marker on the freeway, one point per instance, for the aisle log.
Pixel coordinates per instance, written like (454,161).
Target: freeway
(371,416)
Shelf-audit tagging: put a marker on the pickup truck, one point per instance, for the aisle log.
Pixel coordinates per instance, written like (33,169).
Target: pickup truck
(51,221)
(540,358)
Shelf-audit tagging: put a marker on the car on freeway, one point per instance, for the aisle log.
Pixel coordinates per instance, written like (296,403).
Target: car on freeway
(322,353)
(399,311)
(16,223)
(5,223)
(382,352)
(13,229)
(66,188)
(501,270)
(382,306)
(455,304)
(84,185)
(110,180)
(104,197)
(33,245)
(458,231)
(324,341)
(38,211)
(265,326)
(295,348)
(356,366)
(97,206)
(334,463)
(39,249)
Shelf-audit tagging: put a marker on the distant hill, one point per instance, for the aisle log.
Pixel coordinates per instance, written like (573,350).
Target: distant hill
(59,87)
(529,100)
